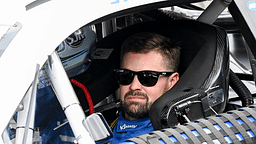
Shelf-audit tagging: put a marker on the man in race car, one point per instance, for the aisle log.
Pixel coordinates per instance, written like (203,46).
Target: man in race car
(149,64)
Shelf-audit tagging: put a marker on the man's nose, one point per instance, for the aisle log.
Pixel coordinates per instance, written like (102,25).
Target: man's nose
(135,85)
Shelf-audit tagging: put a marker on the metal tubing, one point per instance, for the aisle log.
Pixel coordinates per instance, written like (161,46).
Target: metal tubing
(213,11)
(31,111)
(9,36)
(22,116)
(6,138)
(67,98)
(26,117)
(107,28)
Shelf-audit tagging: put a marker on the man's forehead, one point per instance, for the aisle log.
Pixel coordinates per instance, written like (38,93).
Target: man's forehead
(143,61)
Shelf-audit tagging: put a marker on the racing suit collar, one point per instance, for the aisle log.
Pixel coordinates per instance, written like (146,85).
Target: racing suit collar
(124,125)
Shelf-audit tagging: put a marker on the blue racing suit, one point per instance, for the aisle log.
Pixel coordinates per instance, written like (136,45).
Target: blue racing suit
(126,129)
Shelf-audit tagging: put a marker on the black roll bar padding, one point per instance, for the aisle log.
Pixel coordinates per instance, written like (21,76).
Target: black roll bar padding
(242,91)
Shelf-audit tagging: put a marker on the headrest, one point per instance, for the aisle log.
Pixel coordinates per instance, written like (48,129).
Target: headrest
(203,86)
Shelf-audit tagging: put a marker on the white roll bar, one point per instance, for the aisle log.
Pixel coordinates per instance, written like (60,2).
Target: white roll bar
(67,98)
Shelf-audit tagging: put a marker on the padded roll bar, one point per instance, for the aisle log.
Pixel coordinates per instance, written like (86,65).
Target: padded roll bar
(237,126)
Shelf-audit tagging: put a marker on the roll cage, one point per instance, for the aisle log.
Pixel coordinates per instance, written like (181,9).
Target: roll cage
(117,15)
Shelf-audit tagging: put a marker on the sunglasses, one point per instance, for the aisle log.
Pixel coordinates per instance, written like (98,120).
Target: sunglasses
(146,78)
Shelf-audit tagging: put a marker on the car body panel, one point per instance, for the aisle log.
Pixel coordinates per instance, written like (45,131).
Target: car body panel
(44,25)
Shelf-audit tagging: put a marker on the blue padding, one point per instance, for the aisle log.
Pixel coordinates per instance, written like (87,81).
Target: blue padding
(250,133)
(240,121)
(216,141)
(229,124)
(206,130)
(228,139)
(162,142)
(184,135)
(173,139)
(239,137)
(195,132)
(217,127)
(251,118)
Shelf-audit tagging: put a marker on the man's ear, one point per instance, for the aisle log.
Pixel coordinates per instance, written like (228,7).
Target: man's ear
(173,79)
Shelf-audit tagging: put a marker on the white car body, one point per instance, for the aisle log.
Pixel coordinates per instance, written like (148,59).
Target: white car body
(42,31)
(42,28)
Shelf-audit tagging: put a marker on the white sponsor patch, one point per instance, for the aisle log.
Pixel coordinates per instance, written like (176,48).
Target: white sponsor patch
(123,127)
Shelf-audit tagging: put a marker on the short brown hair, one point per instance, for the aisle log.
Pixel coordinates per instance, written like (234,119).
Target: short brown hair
(146,42)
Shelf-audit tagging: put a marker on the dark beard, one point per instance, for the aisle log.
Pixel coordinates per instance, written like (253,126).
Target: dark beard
(141,110)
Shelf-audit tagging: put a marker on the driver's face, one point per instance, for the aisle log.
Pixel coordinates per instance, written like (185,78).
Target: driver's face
(136,99)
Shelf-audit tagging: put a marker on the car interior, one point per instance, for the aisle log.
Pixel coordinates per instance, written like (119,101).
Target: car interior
(197,104)
(204,71)
(205,75)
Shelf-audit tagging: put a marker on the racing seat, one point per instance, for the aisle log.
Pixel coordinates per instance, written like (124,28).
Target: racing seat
(204,71)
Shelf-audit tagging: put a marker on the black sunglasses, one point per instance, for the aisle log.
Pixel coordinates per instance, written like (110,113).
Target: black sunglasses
(146,78)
